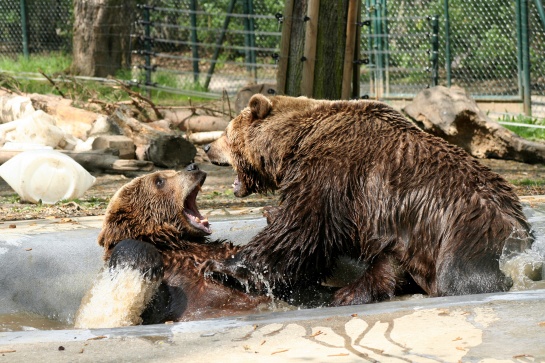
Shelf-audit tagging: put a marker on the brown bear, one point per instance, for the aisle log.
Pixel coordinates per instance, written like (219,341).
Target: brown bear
(154,239)
(357,179)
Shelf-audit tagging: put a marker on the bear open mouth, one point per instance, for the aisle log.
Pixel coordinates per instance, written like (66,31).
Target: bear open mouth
(191,211)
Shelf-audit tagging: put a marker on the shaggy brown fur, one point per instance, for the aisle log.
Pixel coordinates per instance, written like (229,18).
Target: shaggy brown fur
(356,178)
(160,209)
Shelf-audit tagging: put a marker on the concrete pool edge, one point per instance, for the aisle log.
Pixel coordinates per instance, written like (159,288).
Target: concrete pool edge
(215,325)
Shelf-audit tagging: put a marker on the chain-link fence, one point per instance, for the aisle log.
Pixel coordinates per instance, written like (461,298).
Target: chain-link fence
(494,49)
(34,26)
(476,44)
(207,46)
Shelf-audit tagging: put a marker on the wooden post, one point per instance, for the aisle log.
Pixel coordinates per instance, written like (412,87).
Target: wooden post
(351,29)
(311,30)
(282,71)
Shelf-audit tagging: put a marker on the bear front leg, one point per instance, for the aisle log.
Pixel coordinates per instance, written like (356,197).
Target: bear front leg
(377,283)
(230,268)
(124,288)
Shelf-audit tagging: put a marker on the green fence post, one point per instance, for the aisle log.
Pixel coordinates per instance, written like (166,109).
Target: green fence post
(247,42)
(219,42)
(448,60)
(252,39)
(24,26)
(370,45)
(435,50)
(385,47)
(527,96)
(541,12)
(519,47)
(249,39)
(379,56)
(147,46)
(194,40)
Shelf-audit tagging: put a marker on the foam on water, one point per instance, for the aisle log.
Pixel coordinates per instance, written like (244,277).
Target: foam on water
(527,269)
(117,298)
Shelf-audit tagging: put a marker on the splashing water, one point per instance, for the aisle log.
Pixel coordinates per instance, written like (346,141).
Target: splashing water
(117,298)
(527,268)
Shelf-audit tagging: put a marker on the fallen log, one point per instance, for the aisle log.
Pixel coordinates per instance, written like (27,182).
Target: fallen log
(94,160)
(166,149)
(200,138)
(203,123)
(453,115)
(70,119)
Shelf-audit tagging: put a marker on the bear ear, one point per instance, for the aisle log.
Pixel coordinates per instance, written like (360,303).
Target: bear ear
(260,106)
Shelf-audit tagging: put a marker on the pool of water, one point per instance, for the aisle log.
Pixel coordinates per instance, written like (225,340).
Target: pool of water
(43,277)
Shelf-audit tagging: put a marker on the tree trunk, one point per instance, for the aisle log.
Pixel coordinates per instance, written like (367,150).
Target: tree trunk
(330,48)
(101,36)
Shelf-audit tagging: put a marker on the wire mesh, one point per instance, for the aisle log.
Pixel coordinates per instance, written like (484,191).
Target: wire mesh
(216,45)
(207,45)
(395,48)
(48,26)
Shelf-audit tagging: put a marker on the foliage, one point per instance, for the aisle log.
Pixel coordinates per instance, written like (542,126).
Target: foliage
(55,65)
(535,134)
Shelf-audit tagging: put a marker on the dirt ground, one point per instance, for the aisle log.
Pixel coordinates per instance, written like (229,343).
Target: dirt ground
(217,191)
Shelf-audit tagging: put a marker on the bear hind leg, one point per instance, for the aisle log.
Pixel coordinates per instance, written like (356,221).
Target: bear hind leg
(378,283)
(478,275)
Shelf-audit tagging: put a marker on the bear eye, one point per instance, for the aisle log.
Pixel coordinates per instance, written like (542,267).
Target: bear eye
(159,182)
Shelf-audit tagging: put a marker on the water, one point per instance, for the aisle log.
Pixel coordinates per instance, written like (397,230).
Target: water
(117,298)
(526,270)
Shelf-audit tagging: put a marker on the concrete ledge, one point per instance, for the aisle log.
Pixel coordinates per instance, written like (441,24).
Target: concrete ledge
(475,328)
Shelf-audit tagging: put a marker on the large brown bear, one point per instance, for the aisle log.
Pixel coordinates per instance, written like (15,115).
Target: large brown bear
(357,179)
(155,239)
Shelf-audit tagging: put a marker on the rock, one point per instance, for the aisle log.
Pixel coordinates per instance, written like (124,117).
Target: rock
(13,107)
(36,128)
(104,126)
(453,115)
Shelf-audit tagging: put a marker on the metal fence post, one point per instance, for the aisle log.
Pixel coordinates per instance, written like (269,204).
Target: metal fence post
(219,42)
(527,96)
(541,12)
(249,39)
(379,48)
(435,50)
(448,60)
(147,45)
(24,26)
(194,40)
(385,47)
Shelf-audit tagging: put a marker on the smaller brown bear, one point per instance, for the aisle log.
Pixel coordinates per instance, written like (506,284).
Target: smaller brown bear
(155,239)
(357,179)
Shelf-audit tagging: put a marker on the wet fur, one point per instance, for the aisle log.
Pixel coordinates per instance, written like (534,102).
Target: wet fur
(143,222)
(356,178)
